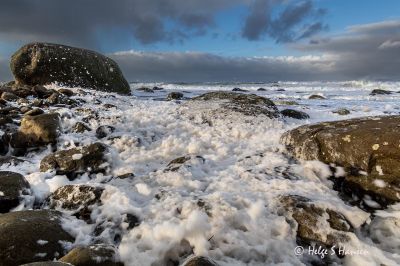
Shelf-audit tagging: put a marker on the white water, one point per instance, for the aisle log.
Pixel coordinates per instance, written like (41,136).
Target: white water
(239,223)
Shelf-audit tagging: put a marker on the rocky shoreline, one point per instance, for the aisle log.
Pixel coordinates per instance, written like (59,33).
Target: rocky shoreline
(362,155)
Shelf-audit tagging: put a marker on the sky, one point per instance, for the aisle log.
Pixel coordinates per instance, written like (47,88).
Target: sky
(217,40)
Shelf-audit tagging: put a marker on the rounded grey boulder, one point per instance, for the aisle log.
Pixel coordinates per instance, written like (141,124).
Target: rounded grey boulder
(12,185)
(31,236)
(45,63)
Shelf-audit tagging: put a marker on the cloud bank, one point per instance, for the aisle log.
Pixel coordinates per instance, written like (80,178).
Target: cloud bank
(368,51)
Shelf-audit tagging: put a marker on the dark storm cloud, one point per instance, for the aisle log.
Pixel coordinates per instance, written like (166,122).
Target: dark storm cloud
(295,22)
(85,22)
(77,22)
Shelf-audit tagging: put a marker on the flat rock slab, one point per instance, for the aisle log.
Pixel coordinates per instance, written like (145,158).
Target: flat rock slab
(102,255)
(31,236)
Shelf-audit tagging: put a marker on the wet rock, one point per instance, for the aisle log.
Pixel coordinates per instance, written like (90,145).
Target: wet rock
(380,92)
(174,96)
(239,89)
(76,161)
(44,63)
(199,261)
(368,148)
(39,129)
(177,163)
(220,103)
(80,127)
(125,176)
(316,97)
(294,114)
(280,89)
(342,111)
(66,92)
(286,103)
(58,98)
(42,92)
(12,186)
(310,217)
(4,120)
(261,89)
(145,89)
(109,106)
(9,97)
(104,131)
(77,198)
(33,112)
(100,254)
(155,88)
(10,160)
(30,236)
(47,263)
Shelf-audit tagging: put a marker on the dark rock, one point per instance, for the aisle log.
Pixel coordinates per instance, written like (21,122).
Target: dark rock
(10,160)
(42,92)
(368,144)
(47,263)
(73,197)
(294,114)
(77,198)
(44,63)
(66,92)
(155,88)
(76,161)
(380,92)
(9,97)
(39,129)
(342,111)
(132,221)
(58,98)
(199,261)
(316,97)
(239,89)
(247,104)
(175,96)
(4,120)
(261,89)
(286,103)
(80,127)
(280,90)
(309,217)
(33,112)
(21,231)
(125,176)
(12,186)
(102,255)
(109,106)
(104,131)
(175,164)
(145,89)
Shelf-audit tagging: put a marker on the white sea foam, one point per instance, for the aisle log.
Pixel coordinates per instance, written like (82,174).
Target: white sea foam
(238,180)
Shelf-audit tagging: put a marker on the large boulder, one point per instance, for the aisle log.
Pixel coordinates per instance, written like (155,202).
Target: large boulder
(100,254)
(12,186)
(221,104)
(76,160)
(45,63)
(368,148)
(30,236)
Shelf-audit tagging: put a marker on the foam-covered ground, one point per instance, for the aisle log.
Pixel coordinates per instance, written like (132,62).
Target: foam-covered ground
(223,201)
